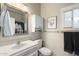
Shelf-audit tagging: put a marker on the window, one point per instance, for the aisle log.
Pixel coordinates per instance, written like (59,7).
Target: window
(71,18)
(76,18)
(68,19)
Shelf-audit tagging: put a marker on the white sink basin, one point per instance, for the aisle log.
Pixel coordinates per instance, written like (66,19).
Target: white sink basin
(22,44)
(16,46)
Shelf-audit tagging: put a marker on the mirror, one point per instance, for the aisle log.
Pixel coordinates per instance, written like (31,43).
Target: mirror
(16,21)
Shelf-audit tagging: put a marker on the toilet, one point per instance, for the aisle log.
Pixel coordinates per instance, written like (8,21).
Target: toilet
(44,52)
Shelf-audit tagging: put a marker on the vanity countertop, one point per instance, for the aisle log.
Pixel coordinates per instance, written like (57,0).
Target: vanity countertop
(8,50)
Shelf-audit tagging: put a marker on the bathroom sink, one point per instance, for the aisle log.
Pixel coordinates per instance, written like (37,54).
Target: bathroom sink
(16,46)
(22,44)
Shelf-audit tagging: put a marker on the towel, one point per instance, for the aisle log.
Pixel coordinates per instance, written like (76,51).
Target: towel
(9,25)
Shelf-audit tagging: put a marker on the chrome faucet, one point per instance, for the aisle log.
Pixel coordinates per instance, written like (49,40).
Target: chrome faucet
(18,42)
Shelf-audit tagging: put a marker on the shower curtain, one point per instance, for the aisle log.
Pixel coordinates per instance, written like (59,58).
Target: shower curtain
(68,42)
(71,42)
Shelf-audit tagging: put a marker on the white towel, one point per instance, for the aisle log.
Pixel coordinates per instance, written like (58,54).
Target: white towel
(9,25)
(7,30)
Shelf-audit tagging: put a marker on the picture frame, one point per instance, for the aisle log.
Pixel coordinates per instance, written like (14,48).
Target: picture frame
(52,22)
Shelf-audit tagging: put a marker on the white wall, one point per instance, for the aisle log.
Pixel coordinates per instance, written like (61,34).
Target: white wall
(52,9)
(55,42)
(53,39)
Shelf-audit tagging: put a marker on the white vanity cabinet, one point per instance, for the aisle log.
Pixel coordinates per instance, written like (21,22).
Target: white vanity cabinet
(37,23)
(31,51)
(26,48)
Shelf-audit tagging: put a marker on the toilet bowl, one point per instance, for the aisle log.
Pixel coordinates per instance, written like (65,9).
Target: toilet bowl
(44,52)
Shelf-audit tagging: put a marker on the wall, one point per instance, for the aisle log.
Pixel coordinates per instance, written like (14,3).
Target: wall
(53,39)
(33,9)
(52,9)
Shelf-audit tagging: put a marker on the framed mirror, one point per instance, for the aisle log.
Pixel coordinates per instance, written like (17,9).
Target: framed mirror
(15,21)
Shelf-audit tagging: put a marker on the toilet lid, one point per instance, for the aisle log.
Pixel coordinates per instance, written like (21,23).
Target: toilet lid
(45,51)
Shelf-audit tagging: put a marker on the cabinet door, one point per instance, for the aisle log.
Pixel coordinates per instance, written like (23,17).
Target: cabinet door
(39,23)
(33,23)
(76,18)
